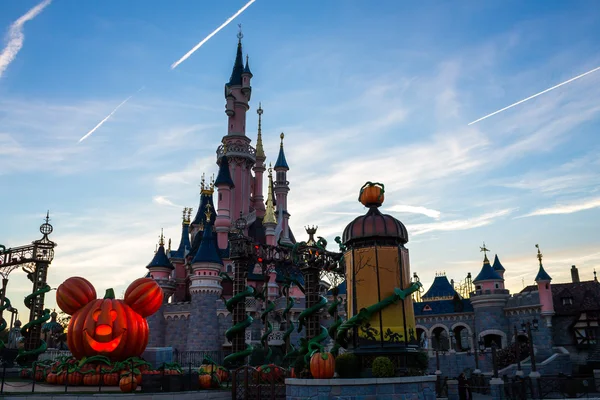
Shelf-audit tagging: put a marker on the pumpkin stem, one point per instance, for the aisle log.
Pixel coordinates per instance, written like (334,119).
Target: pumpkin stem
(110,294)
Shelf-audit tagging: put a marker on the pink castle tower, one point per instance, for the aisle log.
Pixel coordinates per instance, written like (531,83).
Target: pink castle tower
(240,156)
(282,188)
(545,290)
(178,256)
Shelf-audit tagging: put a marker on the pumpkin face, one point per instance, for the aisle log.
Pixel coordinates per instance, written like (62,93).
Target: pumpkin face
(322,366)
(371,194)
(108,326)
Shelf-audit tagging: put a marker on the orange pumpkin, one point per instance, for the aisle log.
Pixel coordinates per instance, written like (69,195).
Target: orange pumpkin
(91,379)
(116,329)
(128,384)
(111,379)
(220,372)
(371,194)
(270,373)
(322,366)
(51,378)
(205,381)
(75,379)
(292,373)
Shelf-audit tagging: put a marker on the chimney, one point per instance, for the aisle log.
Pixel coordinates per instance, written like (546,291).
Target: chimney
(574,274)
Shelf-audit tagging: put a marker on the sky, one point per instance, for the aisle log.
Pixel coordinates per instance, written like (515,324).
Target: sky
(363,91)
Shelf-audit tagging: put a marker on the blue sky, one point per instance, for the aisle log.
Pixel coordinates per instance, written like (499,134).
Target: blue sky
(379,91)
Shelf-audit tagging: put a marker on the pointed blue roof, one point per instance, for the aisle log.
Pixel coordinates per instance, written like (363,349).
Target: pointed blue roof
(238,67)
(224,176)
(487,273)
(542,275)
(205,198)
(160,259)
(440,287)
(184,244)
(247,67)
(497,265)
(207,252)
(281,161)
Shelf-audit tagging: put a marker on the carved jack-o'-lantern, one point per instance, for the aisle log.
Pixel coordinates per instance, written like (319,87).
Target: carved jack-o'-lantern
(113,328)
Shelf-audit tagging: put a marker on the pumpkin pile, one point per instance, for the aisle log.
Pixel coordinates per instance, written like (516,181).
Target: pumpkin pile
(116,329)
(212,375)
(92,371)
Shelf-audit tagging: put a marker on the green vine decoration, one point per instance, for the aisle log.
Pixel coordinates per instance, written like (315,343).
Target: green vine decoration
(240,326)
(38,321)
(6,304)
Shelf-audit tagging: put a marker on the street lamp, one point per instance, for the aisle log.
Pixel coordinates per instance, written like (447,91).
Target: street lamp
(517,352)
(477,345)
(494,361)
(451,334)
(528,327)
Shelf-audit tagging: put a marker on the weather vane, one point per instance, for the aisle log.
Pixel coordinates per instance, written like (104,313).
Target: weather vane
(240,35)
(539,253)
(484,249)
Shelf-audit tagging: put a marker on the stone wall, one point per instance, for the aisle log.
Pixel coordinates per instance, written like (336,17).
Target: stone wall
(177,333)
(405,388)
(203,324)
(452,364)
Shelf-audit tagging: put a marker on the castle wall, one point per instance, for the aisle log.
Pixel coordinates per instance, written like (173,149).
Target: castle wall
(157,326)
(203,323)
(177,332)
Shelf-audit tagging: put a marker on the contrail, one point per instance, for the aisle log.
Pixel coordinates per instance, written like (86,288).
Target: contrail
(108,116)
(535,95)
(15,36)
(213,33)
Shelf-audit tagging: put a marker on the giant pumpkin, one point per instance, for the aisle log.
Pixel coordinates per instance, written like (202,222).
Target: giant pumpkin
(114,328)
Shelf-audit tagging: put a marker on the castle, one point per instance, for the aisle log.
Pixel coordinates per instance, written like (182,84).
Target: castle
(480,312)
(194,316)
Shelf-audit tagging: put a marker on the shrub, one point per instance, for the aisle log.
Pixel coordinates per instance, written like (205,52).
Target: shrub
(422,360)
(300,368)
(347,365)
(383,368)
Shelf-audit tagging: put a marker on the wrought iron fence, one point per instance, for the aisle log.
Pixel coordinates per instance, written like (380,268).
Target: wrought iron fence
(567,387)
(196,358)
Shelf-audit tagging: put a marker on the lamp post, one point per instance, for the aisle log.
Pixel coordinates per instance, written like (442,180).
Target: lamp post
(451,335)
(477,345)
(518,352)
(494,360)
(528,327)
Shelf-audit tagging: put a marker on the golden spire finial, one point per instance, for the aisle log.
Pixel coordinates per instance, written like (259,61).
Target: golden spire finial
(161,241)
(269,217)
(208,213)
(282,136)
(539,254)
(202,183)
(224,147)
(485,250)
(189,215)
(260,152)
(169,248)
(212,183)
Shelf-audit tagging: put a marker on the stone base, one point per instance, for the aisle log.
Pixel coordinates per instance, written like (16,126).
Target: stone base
(157,356)
(403,388)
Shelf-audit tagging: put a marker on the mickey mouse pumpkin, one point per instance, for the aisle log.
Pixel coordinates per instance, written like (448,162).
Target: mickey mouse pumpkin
(114,328)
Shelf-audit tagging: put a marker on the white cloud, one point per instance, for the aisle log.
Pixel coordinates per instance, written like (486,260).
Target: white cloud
(459,224)
(580,205)
(15,36)
(415,210)
(164,201)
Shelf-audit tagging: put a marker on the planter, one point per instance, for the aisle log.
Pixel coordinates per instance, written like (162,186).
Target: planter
(172,383)
(151,383)
(190,381)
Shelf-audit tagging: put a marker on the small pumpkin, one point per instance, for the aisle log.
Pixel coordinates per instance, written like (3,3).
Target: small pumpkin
(205,381)
(114,328)
(372,194)
(61,377)
(51,378)
(127,384)
(292,373)
(322,365)
(91,379)
(111,379)
(220,372)
(75,379)
(270,373)
(74,293)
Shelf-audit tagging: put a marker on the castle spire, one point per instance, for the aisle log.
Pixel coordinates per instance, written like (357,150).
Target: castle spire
(238,65)
(270,210)
(260,152)
(281,162)
(542,275)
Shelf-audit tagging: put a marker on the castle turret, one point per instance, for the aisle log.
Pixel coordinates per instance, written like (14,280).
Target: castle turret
(499,268)
(282,188)
(205,290)
(206,193)
(177,257)
(269,220)
(160,270)
(259,169)
(489,300)
(545,290)
(224,185)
